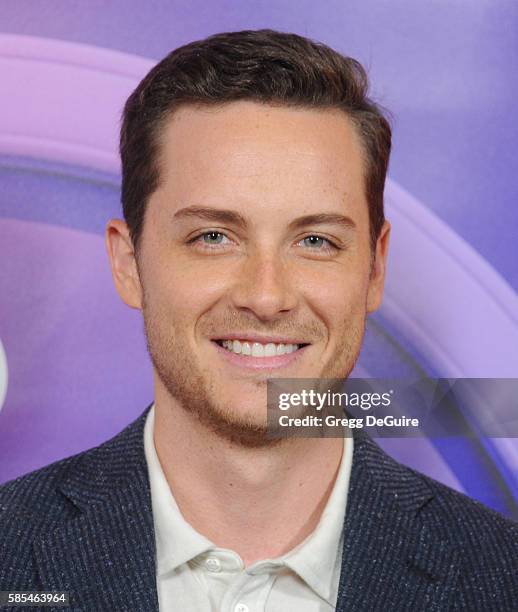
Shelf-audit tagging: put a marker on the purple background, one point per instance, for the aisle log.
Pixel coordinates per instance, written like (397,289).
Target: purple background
(77,369)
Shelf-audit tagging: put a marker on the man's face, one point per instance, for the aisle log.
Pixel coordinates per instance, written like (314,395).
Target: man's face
(257,240)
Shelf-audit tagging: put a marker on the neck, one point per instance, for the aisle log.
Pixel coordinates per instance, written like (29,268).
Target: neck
(259,502)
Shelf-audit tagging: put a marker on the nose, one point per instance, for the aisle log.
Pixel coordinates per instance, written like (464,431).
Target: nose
(263,287)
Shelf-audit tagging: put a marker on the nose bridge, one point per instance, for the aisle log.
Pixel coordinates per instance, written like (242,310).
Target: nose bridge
(263,284)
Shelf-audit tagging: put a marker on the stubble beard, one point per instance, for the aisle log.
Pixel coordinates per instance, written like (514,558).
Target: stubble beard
(195,391)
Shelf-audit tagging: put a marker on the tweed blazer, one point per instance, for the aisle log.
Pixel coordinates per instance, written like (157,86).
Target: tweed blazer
(84,525)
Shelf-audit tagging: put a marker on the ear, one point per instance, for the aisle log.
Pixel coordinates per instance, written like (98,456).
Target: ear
(123,263)
(377,278)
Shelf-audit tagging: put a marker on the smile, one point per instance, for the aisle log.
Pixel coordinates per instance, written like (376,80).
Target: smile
(249,354)
(257,349)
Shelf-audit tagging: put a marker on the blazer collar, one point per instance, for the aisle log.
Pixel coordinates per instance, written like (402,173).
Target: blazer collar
(105,556)
(392,560)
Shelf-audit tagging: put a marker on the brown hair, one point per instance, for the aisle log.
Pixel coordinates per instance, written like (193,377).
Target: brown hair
(258,65)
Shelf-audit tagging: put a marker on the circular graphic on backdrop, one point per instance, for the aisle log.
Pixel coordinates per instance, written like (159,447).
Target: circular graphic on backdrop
(3,375)
(440,262)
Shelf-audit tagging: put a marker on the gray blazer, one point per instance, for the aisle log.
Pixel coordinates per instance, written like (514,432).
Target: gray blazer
(84,525)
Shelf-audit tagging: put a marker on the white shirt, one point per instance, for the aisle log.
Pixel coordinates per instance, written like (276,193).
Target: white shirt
(194,575)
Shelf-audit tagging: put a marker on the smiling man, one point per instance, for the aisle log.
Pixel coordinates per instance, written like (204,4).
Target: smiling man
(254,260)
(254,243)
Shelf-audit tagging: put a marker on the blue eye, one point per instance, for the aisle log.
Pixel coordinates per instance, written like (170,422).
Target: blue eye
(212,237)
(211,240)
(316,242)
(313,240)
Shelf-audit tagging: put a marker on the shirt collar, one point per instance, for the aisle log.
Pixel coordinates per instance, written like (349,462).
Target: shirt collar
(176,540)
(316,560)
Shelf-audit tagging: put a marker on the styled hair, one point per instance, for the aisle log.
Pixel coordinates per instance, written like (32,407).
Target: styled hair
(258,65)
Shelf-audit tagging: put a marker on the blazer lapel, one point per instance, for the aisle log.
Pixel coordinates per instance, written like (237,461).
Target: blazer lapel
(391,562)
(105,556)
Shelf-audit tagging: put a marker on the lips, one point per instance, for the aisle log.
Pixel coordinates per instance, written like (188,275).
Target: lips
(252,354)
(261,338)
(258,349)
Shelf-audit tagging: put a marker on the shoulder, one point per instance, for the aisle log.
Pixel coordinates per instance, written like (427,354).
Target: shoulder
(453,516)
(33,500)
(51,498)
(455,530)
(30,506)
(449,514)
(38,495)
(456,516)
(487,543)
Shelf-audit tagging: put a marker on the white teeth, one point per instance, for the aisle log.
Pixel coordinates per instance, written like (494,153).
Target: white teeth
(269,350)
(256,349)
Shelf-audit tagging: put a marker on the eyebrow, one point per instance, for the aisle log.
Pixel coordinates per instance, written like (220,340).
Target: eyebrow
(235,218)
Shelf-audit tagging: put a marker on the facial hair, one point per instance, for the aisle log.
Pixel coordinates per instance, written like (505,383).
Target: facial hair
(194,389)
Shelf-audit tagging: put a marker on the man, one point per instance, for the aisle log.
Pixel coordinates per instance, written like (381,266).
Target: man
(255,244)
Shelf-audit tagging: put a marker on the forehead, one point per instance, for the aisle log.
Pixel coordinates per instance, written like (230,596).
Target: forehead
(261,154)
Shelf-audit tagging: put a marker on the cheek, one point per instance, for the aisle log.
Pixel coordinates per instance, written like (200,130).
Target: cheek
(338,297)
(184,292)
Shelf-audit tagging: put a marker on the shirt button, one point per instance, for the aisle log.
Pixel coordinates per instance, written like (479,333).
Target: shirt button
(213,565)
(241,607)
